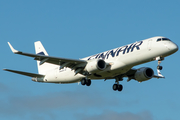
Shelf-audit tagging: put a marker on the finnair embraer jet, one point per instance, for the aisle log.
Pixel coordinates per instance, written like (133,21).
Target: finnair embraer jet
(113,64)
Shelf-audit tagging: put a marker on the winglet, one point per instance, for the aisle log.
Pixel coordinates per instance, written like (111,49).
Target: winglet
(12,49)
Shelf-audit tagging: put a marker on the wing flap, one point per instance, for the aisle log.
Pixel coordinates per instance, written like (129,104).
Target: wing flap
(24,73)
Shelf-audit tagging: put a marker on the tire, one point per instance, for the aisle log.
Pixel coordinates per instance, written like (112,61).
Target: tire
(159,67)
(83,81)
(115,87)
(88,82)
(120,87)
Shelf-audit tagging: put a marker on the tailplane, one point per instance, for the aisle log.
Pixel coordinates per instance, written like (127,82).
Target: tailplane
(45,67)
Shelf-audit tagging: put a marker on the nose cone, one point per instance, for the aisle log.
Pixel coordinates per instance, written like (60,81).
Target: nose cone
(173,47)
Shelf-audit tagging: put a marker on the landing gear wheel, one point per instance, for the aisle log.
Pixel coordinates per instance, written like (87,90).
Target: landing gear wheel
(159,67)
(88,82)
(83,81)
(120,87)
(115,87)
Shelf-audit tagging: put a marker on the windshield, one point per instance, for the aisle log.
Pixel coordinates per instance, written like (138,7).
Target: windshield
(158,39)
(163,39)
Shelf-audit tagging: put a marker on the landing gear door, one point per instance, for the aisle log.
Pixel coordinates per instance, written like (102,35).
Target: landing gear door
(149,44)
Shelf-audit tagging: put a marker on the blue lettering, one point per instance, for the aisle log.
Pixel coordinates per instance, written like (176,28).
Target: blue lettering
(128,49)
(102,55)
(91,57)
(112,53)
(122,49)
(97,56)
(137,46)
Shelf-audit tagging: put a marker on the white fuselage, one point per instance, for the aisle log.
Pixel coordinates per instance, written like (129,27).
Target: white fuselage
(121,60)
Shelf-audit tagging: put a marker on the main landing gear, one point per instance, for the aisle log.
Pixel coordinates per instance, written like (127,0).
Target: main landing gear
(118,86)
(115,87)
(85,81)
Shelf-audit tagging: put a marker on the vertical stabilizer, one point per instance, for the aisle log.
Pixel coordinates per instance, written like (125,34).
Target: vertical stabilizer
(45,67)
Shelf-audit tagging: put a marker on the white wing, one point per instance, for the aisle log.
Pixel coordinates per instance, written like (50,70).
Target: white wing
(62,62)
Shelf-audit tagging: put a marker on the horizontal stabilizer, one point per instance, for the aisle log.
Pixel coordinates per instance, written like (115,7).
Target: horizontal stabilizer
(25,73)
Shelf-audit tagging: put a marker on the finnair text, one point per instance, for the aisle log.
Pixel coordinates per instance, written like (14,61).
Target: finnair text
(116,52)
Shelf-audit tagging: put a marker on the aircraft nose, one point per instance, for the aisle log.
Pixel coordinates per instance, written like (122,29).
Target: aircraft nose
(173,47)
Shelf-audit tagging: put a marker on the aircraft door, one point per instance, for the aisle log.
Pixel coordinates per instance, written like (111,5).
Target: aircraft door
(149,44)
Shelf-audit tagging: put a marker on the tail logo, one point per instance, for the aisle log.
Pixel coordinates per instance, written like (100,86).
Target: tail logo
(41,53)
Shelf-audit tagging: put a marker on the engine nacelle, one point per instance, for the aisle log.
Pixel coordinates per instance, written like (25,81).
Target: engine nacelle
(95,65)
(144,74)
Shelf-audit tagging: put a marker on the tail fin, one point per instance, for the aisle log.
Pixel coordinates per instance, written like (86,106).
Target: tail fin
(44,68)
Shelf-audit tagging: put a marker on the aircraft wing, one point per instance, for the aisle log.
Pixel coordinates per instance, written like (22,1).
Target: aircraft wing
(25,73)
(62,62)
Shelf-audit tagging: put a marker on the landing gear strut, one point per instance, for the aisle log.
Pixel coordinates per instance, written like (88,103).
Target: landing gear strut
(85,81)
(159,62)
(160,59)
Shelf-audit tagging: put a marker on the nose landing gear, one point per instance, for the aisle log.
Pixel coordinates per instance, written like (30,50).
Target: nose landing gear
(159,67)
(160,59)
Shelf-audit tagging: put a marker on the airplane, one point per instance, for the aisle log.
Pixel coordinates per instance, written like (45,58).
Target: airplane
(112,64)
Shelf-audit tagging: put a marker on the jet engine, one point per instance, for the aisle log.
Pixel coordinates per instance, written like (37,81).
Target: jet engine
(95,65)
(143,74)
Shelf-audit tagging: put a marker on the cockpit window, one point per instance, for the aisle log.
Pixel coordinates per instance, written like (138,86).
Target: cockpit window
(163,39)
(158,39)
